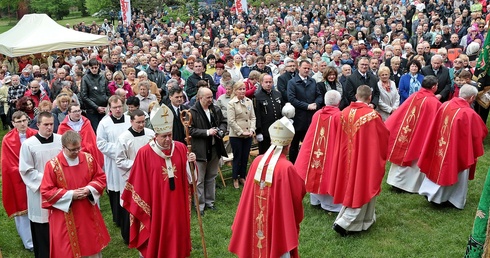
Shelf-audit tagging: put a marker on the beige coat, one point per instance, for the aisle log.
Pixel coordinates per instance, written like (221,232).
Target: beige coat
(241,116)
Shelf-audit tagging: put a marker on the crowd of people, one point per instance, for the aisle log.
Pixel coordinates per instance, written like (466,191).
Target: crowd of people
(318,82)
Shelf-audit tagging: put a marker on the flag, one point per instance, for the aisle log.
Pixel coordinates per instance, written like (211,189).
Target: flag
(483,58)
(241,6)
(126,11)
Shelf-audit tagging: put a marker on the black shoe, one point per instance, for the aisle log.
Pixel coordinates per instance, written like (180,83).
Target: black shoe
(202,213)
(342,232)
(212,208)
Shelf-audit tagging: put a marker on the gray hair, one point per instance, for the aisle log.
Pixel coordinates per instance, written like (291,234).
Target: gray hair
(142,73)
(435,56)
(467,91)
(332,98)
(172,83)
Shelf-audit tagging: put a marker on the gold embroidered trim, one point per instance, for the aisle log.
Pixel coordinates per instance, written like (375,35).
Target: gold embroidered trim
(69,218)
(136,198)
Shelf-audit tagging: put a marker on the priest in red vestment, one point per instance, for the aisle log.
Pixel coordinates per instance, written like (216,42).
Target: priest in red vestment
(314,162)
(270,210)
(80,124)
(408,129)
(14,195)
(71,187)
(358,164)
(156,194)
(453,145)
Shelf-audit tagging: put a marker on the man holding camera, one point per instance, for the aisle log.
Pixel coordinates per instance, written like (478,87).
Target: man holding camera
(207,144)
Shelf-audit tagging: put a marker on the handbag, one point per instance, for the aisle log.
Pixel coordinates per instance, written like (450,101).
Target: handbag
(483,97)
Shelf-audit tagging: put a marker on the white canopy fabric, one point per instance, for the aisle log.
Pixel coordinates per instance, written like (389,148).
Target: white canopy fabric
(36,33)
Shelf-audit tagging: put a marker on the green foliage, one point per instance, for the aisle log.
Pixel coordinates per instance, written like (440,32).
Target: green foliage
(94,6)
(10,4)
(56,9)
(80,4)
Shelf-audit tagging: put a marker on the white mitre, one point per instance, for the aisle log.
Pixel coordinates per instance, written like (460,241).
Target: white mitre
(162,119)
(282,133)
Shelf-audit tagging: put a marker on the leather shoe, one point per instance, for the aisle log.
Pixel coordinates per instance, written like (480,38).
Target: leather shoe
(235,184)
(202,213)
(212,208)
(342,232)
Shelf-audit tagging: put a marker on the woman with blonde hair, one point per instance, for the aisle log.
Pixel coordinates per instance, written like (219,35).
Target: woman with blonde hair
(241,121)
(119,83)
(60,111)
(389,99)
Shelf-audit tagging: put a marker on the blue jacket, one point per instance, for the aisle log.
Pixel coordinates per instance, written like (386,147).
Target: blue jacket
(404,86)
(301,94)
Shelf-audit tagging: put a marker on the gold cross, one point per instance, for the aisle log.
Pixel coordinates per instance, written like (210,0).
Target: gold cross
(441,141)
(318,153)
(165,114)
(406,129)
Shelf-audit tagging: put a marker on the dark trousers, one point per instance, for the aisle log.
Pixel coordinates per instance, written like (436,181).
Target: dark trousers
(294,149)
(115,207)
(125,225)
(40,239)
(94,119)
(241,151)
(483,112)
(264,145)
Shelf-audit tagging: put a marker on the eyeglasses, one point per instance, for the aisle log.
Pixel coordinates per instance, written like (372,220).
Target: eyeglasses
(73,150)
(481,27)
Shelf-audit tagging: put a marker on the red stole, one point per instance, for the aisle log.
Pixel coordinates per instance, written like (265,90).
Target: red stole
(81,231)
(314,160)
(14,195)
(267,219)
(408,127)
(160,217)
(454,142)
(89,140)
(360,156)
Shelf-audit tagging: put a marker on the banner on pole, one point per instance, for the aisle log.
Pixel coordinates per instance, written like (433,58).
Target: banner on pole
(126,11)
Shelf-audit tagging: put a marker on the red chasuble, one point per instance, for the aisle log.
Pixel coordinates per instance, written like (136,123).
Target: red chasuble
(314,162)
(14,195)
(454,142)
(89,140)
(408,127)
(160,217)
(81,231)
(268,217)
(360,156)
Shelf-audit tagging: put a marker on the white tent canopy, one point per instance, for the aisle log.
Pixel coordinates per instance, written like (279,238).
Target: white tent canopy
(36,33)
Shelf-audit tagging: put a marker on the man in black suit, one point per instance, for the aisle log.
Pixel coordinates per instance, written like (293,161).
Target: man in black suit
(306,98)
(358,78)
(442,73)
(176,96)
(282,81)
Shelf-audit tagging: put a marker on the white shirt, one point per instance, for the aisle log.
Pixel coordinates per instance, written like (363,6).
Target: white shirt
(33,157)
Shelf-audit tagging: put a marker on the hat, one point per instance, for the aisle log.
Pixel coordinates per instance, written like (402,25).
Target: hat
(162,119)
(282,133)
(7,79)
(288,110)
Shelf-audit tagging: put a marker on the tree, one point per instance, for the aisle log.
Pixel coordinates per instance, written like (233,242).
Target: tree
(56,9)
(94,6)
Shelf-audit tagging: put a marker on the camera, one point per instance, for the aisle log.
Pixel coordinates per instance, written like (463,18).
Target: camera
(220,134)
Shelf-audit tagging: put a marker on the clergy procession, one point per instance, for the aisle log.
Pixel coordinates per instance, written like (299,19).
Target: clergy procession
(247,123)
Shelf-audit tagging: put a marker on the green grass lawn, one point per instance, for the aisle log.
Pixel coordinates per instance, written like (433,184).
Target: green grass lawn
(407,226)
